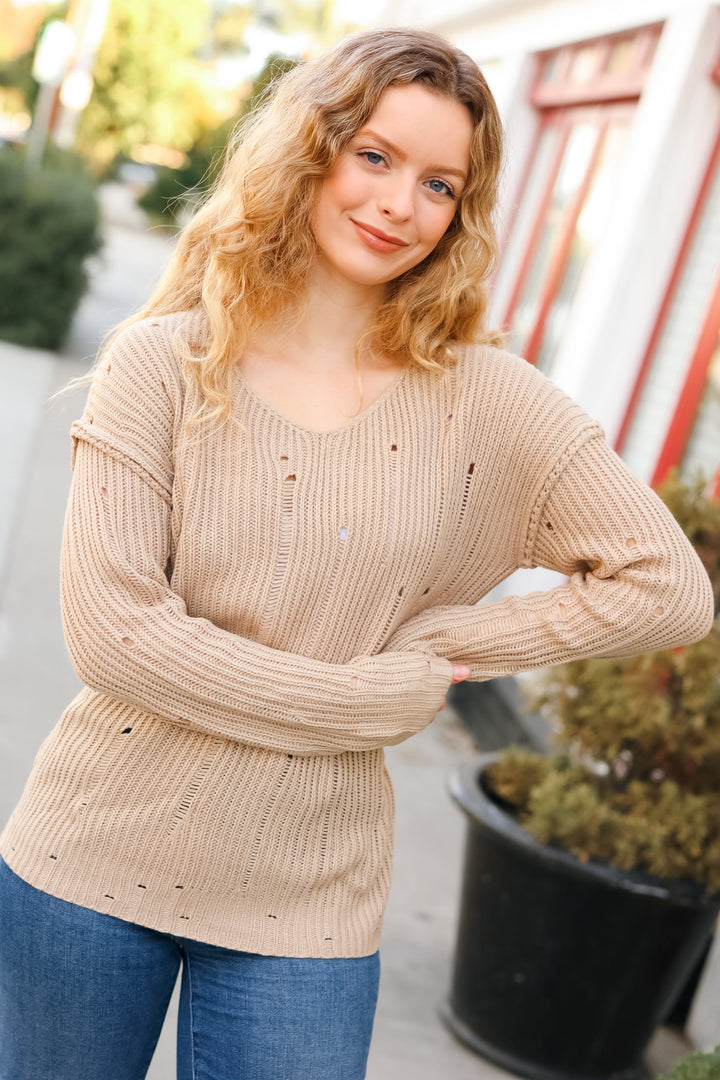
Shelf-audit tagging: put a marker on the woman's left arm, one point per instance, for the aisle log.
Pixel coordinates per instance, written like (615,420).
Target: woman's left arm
(636,584)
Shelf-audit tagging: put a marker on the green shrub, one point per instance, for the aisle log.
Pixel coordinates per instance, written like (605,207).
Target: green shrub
(696,1066)
(637,782)
(49,223)
(168,193)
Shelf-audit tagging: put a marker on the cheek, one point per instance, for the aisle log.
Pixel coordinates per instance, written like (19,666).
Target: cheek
(437,224)
(342,187)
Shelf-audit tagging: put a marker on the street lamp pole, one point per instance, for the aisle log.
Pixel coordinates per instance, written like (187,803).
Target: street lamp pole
(55,46)
(88,18)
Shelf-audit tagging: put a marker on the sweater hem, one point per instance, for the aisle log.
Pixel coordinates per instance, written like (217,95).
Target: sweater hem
(246,929)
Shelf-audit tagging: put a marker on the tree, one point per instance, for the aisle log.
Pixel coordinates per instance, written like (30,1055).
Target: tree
(147,80)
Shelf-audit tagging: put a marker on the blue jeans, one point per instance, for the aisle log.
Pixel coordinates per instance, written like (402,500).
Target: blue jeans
(83,996)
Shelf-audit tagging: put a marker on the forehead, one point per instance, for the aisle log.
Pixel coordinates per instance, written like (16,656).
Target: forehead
(424,124)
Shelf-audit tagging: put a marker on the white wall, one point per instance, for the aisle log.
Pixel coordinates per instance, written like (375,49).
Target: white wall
(491,28)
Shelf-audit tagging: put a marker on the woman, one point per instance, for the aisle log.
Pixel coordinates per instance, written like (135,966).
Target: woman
(299,469)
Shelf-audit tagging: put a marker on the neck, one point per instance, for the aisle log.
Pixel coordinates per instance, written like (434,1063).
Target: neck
(334,315)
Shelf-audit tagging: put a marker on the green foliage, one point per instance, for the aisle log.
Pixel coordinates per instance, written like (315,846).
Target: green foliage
(147,88)
(638,783)
(50,223)
(17,73)
(696,1066)
(700,519)
(166,196)
(517,773)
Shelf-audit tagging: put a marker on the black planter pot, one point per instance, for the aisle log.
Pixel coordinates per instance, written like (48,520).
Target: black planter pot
(563,969)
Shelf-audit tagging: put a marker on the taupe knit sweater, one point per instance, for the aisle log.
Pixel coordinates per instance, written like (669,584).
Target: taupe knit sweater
(258,613)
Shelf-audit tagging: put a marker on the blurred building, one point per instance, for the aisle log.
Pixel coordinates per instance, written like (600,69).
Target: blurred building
(609,278)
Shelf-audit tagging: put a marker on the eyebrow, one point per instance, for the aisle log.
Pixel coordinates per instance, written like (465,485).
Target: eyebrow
(403,156)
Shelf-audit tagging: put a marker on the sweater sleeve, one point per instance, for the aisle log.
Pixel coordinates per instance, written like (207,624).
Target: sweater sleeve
(130,636)
(636,584)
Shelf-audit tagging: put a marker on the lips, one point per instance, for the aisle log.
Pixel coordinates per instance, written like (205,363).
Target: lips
(377,239)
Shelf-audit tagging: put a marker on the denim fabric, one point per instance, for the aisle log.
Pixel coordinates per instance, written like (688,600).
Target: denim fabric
(83,996)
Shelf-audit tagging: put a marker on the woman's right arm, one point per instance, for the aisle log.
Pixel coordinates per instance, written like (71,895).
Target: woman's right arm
(130,637)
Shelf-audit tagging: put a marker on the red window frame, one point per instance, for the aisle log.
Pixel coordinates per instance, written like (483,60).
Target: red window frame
(561,101)
(680,427)
(604,85)
(691,396)
(566,119)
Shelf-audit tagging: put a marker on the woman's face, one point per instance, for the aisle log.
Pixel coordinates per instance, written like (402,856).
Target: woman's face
(395,189)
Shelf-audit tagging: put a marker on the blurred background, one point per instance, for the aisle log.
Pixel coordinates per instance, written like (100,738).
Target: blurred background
(113,114)
(610,213)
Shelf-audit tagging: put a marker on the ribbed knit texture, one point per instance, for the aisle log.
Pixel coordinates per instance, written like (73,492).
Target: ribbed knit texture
(257,612)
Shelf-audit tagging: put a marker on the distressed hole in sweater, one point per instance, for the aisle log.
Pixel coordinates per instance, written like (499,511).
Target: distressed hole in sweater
(283,457)
(659,610)
(290,477)
(184,916)
(355,681)
(126,731)
(142,886)
(394,446)
(449,416)
(549,525)
(471,468)
(178,886)
(54,857)
(104,492)
(562,608)
(127,641)
(631,542)
(290,756)
(343,532)
(108,896)
(272,916)
(426,591)
(328,939)
(400,590)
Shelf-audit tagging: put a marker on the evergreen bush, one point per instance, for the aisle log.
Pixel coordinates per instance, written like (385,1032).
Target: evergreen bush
(696,1066)
(49,223)
(637,780)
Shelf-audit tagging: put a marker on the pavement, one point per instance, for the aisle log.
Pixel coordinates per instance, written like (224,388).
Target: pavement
(37,681)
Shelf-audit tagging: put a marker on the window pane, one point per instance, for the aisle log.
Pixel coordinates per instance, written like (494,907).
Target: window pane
(549,68)
(586,64)
(591,222)
(537,181)
(573,169)
(622,57)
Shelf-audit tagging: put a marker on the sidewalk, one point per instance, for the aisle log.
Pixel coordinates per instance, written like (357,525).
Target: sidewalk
(36,681)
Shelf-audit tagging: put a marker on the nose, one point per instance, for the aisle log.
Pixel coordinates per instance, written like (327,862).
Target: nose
(397,199)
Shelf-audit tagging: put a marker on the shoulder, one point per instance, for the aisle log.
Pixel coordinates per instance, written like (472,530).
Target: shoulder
(138,389)
(149,352)
(503,391)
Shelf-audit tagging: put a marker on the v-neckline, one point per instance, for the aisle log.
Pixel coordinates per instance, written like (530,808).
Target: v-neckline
(354,421)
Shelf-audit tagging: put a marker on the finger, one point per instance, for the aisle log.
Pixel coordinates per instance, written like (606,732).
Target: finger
(460,672)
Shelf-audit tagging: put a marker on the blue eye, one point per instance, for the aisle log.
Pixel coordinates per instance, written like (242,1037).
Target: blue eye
(441,188)
(372,157)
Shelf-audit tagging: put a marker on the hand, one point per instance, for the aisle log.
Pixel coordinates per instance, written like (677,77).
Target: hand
(460,672)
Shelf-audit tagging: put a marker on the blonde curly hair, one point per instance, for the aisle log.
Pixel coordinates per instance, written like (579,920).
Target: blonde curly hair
(243,258)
